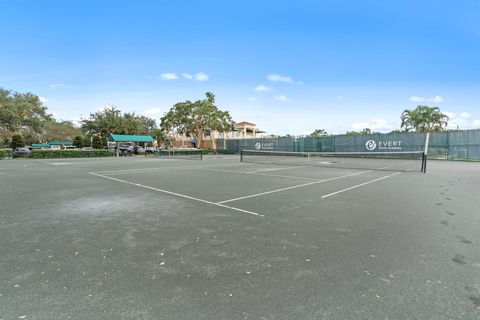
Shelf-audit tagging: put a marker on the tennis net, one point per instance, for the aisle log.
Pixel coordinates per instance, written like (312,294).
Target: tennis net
(385,161)
(189,154)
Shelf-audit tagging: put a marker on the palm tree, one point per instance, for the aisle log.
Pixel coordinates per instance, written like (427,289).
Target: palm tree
(424,119)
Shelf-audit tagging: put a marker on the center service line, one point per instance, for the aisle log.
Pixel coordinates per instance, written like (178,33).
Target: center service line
(177,194)
(293,187)
(359,185)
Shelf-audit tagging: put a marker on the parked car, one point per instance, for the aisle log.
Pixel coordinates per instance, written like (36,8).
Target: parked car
(69,148)
(22,152)
(151,149)
(87,148)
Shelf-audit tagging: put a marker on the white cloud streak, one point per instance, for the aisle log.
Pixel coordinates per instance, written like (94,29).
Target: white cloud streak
(169,76)
(436,99)
(200,76)
(262,88)
(280,78)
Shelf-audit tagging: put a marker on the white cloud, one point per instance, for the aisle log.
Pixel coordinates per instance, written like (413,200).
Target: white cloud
(449,114)
(340,97)
(279,78)
(377,124)
(169,76)
(262,88)
(461,121)
(152,112)
(200,76)
(436,99)
(43,99)
(187,75)
(251,99)
(57,85)
(281,98)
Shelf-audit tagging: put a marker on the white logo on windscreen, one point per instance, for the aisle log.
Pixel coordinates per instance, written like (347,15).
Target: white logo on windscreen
(370,145)
(258,146)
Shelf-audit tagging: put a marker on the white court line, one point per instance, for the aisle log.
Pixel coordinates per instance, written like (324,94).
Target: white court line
(262,174)
(277,169)
(293,187)
(177,194)
(359,185)
(140,170)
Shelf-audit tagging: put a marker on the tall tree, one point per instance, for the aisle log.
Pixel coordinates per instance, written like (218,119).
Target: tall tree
(22,113)
(194,118)
(111,120)
(423,119)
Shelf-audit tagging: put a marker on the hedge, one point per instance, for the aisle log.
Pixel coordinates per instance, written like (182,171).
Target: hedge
(48,154)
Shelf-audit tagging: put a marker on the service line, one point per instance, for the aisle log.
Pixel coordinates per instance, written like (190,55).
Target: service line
(262,174)
(293,187)
(360,185)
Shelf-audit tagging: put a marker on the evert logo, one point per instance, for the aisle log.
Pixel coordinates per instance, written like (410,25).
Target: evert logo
(370,145)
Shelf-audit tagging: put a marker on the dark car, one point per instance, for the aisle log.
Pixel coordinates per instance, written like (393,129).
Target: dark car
(22,152)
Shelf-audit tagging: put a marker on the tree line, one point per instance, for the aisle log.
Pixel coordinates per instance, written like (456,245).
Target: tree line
(24,119)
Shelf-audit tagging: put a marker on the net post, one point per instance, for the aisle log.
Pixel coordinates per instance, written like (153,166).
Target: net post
(201,154)
(241,155)
(425,153)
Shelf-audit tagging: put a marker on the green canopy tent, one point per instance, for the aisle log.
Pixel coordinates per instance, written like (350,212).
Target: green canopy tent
(117,138)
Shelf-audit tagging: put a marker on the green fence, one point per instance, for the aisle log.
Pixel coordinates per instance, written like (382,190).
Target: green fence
(455,145)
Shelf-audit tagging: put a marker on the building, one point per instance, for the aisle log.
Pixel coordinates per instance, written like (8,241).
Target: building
(241,130)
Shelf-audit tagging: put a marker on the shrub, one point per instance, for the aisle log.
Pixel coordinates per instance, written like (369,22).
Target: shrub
(49,154)
(97,143)
(78,142)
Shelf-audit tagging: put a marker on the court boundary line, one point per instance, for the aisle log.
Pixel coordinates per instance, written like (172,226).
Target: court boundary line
(144,170)
(177,194)
(360,185)
(262,174)
(292,187)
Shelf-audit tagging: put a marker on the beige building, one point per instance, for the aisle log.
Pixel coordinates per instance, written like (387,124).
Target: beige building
(241,130)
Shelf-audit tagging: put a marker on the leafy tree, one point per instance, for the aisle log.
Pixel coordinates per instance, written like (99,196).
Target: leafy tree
(78,142)
(21,113)
(17,141)
(319,133)
(194,118)
(423,119)
(111,120)
(104,122)
(97,143)
(59,131)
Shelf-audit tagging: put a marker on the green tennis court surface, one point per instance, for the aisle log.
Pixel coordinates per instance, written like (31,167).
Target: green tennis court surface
(157,238)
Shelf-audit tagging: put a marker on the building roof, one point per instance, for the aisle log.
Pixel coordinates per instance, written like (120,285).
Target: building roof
(40,145)
(245,123)
(58,143)
(129,138)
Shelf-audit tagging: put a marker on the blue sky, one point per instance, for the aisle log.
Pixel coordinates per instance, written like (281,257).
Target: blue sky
(288,66)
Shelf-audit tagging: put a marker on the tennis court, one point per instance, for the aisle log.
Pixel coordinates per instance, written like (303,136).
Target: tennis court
(156,238)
